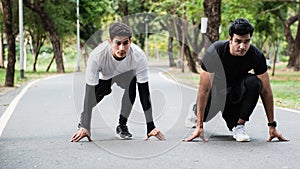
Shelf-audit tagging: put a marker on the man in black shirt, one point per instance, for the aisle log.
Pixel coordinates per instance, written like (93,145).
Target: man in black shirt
(226,84)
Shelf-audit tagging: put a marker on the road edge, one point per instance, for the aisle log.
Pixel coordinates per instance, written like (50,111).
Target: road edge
(9,110)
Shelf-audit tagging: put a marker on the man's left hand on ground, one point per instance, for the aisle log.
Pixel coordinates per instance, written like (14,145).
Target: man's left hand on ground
(274,133)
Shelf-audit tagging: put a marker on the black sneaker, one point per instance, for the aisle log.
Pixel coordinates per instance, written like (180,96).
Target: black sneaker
(122,132)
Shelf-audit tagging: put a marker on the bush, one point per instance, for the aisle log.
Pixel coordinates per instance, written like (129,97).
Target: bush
(284,58)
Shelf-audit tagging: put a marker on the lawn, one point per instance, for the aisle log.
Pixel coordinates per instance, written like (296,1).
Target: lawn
(286,88)
(42,64)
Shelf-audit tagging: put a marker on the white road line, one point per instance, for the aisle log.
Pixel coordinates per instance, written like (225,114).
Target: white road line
(10,109)
(285,109)
(175,82)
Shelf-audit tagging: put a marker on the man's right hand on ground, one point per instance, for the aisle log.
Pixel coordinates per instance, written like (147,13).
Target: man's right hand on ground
(80,134)
(158,134)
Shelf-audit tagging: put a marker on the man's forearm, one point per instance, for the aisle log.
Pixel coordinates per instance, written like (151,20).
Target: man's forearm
(202,97)
(267,96)
(201,104)
(144,93)
(267,99)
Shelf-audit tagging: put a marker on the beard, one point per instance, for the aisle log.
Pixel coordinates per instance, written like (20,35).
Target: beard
(240,52)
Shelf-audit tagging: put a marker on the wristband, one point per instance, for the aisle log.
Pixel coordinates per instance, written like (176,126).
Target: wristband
(273,124)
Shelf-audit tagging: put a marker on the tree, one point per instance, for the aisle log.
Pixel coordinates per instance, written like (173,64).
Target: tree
(288,13)
(48,24)
(130,14)
(93,15)
(1,38)
(37,39)
(212,10)
(8,29)
(267,29)
(34,33)
(178,26)
(293,42)
(168,23)
(270,31)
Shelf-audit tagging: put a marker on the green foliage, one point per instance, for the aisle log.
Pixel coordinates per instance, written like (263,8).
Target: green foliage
(63,15)
(32,22)
(284,58)
(93,15)
(233,9)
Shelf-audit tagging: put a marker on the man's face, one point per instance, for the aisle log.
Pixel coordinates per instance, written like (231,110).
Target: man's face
(239,44)
(120,46)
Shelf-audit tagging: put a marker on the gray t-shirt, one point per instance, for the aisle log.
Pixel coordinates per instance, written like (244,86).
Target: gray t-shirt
(102,65)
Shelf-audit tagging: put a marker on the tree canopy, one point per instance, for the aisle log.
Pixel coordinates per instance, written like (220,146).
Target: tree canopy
(276,23)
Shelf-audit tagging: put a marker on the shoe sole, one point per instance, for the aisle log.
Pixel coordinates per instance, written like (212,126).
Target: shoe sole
(123,138)
(190,126)
(241,140)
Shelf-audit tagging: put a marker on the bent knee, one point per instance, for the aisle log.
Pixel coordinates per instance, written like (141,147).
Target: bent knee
(253,83)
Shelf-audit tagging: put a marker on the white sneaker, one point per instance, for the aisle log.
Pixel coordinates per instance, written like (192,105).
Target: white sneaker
(191,121)
(191,118)
(239,133)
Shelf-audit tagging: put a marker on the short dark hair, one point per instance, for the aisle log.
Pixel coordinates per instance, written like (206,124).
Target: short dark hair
(119,29)
(241,26)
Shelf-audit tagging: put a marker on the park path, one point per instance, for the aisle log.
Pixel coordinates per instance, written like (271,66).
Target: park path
(38,131)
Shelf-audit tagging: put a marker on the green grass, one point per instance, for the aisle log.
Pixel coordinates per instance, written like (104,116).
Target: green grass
(43,61)
(286,94)
(286,89)
(29,75)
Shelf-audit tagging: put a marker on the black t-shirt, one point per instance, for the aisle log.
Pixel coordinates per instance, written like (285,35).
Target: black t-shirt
(218,60)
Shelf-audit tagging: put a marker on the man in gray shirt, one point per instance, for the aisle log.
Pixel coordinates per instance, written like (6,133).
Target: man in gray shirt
(119,61)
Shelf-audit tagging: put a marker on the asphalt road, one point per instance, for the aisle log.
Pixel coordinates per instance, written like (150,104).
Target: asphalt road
(43,116)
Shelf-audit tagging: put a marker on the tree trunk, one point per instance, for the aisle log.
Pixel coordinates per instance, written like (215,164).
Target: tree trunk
(11,57)
(293,43)
(1,44)
(191,63)
(297,43)
(84,53)
(49,27)
(36,43)
(212,10)
(55,40)
(183,40)
(167,25)
(293,49)
(2,58)
(49,66)
(195,43)
(275,57)
(123,7)
(170,52)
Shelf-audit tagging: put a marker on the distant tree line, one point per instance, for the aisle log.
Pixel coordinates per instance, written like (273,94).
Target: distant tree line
(276,26)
